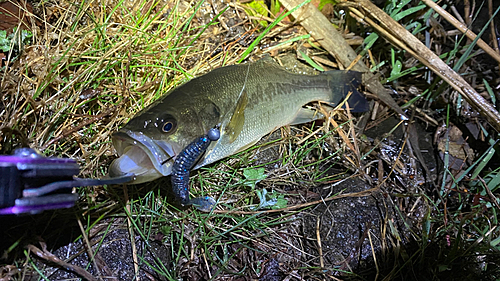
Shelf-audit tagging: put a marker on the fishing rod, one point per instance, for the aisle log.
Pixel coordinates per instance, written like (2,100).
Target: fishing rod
(31,183)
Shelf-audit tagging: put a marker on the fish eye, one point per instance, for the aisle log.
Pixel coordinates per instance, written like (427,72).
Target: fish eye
(166,123)
(167,127)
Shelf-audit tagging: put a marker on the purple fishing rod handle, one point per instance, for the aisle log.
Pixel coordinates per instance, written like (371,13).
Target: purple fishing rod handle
(27,160)
(30,156)
(14,210)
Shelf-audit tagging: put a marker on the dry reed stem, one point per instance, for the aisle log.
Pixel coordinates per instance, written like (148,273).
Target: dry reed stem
(332,41)
(411,44)
(88,247)
(131,234)
(48,256)
(373,254)
(493,34)
(318,239)
(464,29)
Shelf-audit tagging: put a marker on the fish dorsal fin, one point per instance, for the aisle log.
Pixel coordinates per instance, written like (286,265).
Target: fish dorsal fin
(235,125)
(267,59)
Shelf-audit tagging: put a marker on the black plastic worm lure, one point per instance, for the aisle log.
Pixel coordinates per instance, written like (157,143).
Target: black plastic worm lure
(182,166)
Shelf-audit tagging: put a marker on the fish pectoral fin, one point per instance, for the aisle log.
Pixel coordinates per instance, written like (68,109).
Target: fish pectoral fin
(235,125)
(306,115)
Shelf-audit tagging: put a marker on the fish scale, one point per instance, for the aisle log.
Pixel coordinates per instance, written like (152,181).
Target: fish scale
(260,120)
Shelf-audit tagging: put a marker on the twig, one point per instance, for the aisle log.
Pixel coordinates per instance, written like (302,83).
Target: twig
(364,193)
(309,136)
(324,61)
(353,135)
(204,255)
(493,29)
(410,43)
(356,250)
(332,40)
(373,254)
(131,232)
(48,256)
(318,237)
(347,142)
(471,35)
(457,15)
(467,12)
(490,194)
(89,248)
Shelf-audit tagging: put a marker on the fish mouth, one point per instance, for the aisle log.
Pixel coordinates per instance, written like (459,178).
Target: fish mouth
(148,159)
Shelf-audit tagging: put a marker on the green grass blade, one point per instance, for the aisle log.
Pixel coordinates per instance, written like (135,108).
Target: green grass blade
(269,27)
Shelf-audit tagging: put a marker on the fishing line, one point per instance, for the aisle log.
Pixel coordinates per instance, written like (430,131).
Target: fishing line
(164,162)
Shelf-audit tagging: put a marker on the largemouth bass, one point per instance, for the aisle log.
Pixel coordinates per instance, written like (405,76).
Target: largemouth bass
(245,101)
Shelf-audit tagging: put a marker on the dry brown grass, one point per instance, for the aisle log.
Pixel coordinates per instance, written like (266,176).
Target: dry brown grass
(92,66)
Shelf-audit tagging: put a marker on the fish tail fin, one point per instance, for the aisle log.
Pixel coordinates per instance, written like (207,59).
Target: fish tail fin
(344,84)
